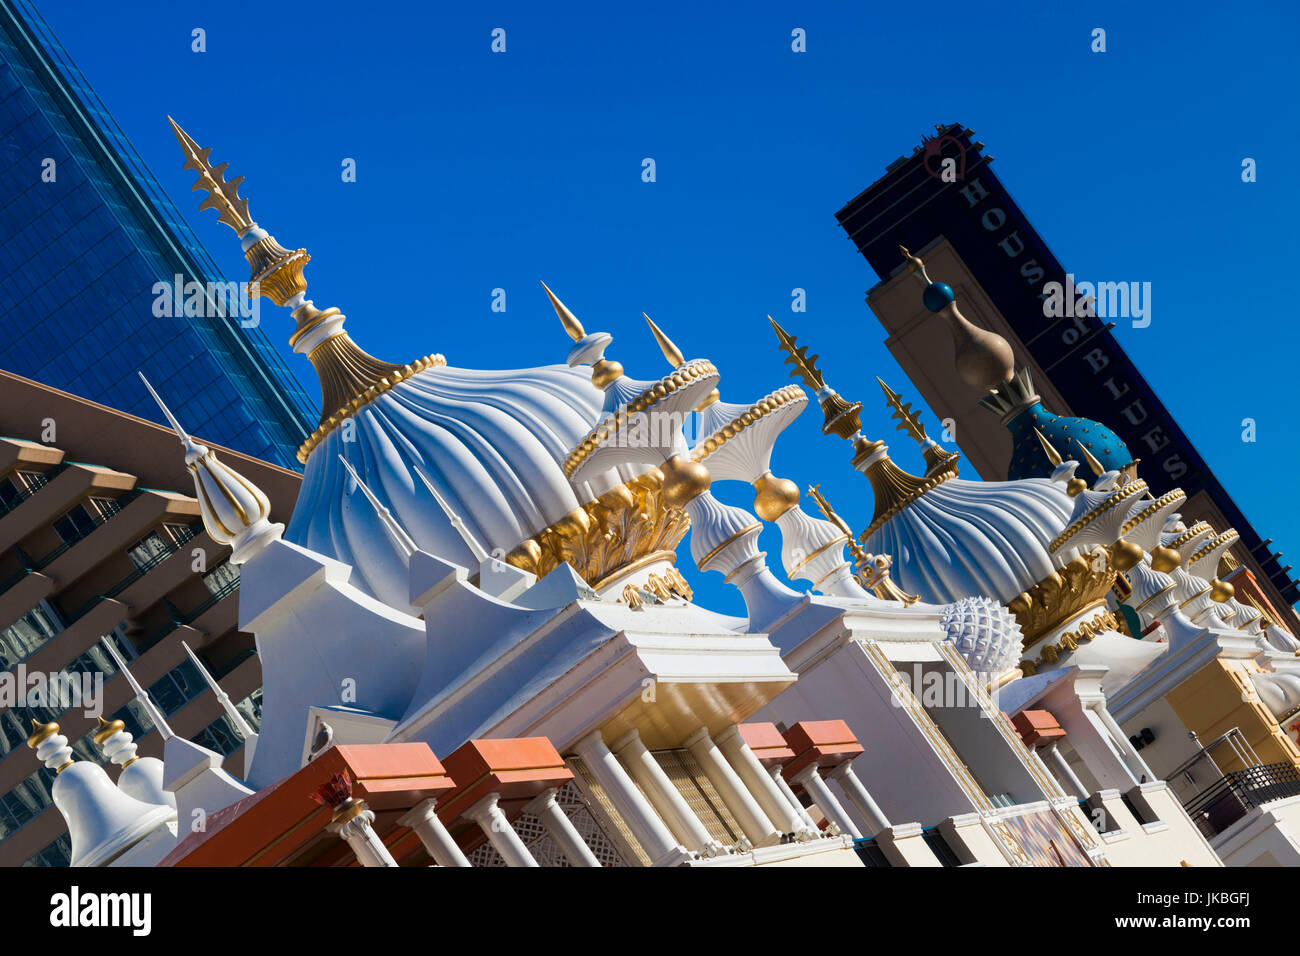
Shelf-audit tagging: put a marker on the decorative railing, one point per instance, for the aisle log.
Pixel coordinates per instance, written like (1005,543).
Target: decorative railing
(1237,792)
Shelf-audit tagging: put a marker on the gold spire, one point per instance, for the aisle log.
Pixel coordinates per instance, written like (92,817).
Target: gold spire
(676,359)
(894,488)
(1093,463)
(840,417)
(671,352)
(909,421)
(871,570)
(350,378)
(223,196)
(1053,455)
(567,318)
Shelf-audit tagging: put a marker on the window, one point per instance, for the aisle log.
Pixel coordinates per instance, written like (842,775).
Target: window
(17,487)
(75,525)
(222,579)
(26,635)
(935,841)
(149,550)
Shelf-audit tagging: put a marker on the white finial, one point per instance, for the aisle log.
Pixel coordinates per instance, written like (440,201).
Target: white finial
(140,694)
(235,511)
(222,697)
(480,553)
(395,530)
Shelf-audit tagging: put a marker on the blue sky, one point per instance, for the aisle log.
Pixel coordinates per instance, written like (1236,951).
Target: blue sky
(478,171)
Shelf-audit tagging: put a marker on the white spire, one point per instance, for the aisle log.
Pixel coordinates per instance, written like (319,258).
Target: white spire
(140,694)
(395,530)
(480,553)
(231,711)
(235,511)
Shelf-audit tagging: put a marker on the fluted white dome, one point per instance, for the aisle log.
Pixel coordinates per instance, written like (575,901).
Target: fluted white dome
(984,632)
(489,441)
(965,538)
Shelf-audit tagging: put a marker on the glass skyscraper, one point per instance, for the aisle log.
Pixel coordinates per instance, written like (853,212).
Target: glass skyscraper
(86,237)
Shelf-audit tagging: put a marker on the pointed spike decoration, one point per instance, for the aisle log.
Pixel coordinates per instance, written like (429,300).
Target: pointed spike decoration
(222,697)
(395,530)
(223,195)
(671,352)
(141,694)
(804,366)
(1053,455)
(167,412)
(567,318)
(480,553)
(1093,463)
(908,420)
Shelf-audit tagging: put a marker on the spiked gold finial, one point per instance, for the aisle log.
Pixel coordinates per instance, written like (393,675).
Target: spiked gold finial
(223,195)
(671,352)
(1053,455)
(1093,463)
(567,318)
(908,420)
(804,367)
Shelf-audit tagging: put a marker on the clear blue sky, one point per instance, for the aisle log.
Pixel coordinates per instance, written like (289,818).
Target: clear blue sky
(478,170)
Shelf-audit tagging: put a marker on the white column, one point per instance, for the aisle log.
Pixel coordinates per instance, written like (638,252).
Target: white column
(860,797)
(640,817)
(672,806)
(423,819)
(811,780)
(1064,772)
(810,825)
(362,838)
(774,803)
(561,829)
(492,821)
(758,829)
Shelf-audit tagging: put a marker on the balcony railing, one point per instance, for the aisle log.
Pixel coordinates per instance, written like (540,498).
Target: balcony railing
(34,484)
(1237,792)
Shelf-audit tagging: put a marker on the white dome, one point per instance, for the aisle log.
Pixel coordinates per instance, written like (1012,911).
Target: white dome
(490,442)
(965,538)
(985,634)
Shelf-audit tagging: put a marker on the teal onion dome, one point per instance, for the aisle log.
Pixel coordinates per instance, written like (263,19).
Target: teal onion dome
(938,296)
(1029,460)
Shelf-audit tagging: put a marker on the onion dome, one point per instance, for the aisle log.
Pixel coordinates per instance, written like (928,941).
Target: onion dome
(984,359)
(1152,590)
(490,443)
(985,634)
(1280,693)
(1021,410)
(949,538)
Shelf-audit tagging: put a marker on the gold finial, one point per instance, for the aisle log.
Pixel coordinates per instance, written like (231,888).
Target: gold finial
(804,367)
(1053,455)
(671,352)
(106,729)
(223,196)
(1093,463)
(676,359)
(908,420)
(860,556)
(567,318)
(40,732)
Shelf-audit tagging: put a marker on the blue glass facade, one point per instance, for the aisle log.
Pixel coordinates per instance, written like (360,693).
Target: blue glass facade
(86,235)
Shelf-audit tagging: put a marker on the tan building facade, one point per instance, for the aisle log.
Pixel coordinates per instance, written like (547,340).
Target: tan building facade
(101,538)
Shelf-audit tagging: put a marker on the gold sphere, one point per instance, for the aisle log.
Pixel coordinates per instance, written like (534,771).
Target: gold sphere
(1125,555)
(1165,559)
(1075,487)
(1221,591)
(774,496)
(684,479)
(605,372)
